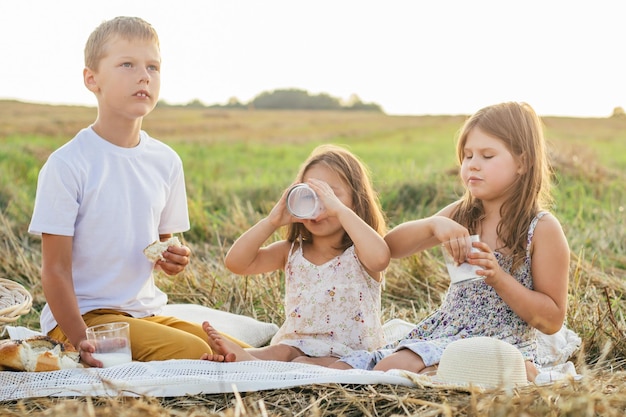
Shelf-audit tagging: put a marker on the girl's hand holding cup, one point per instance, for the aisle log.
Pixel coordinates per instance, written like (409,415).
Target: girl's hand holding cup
(455,254)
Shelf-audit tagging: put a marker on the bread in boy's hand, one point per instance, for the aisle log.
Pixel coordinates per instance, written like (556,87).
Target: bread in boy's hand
(154,251)
(37,354)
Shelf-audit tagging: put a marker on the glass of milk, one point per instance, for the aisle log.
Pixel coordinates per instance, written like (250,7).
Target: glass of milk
(112,343)
(460,272)
(303,203)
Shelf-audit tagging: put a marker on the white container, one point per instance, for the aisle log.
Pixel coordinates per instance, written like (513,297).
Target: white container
(464,272)
(303,203)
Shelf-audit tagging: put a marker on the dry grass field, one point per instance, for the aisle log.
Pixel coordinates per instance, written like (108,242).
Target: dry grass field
(413,166)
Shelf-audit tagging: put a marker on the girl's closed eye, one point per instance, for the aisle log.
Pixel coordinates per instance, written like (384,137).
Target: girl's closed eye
(484,156)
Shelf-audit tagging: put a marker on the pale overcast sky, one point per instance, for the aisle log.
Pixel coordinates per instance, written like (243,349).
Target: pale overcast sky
(409,56)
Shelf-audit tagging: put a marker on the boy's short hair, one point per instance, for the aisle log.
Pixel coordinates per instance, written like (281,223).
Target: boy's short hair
(123,26)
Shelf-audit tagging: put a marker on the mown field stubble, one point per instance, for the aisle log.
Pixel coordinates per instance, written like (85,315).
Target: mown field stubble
(238,162)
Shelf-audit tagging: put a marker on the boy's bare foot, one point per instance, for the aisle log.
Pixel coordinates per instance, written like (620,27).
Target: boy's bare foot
(224,350)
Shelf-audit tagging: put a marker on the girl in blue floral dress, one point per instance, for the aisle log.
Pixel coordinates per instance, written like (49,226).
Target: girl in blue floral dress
(522,251)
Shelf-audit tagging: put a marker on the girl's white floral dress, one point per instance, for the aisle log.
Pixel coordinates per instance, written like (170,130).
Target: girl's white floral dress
(330,309)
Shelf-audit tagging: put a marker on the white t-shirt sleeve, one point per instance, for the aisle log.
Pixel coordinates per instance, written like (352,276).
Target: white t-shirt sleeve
(56,202)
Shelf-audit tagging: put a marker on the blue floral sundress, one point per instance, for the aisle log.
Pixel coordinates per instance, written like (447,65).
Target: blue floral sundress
(468,310)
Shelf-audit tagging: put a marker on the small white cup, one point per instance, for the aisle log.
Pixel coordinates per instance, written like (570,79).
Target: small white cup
(464,272)
(303,203)
(112,342)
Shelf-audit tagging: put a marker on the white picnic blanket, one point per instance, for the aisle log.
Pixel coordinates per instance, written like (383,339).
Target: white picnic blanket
(182,377)
(190,377)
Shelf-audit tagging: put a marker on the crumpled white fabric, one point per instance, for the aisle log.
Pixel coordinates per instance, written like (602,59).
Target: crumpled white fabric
(555,349)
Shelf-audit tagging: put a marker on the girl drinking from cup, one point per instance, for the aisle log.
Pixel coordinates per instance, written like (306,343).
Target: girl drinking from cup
(333,266)
(523,253)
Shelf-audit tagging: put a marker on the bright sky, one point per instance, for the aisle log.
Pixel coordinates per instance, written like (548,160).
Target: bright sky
(564,57)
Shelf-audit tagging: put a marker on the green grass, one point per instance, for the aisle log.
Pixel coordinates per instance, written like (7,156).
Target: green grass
(237,164)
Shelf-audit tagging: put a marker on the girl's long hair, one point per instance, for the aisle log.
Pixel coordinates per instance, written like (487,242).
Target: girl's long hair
(350,169)
(519,127)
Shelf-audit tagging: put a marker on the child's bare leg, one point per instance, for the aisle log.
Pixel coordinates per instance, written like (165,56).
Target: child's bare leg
(224,350)
(339,365)
(278,352)
(322,361)
(402,359)
(429,370)
(531,371)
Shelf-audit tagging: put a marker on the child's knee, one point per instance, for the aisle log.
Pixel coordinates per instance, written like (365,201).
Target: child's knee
(186,346)
(192,347)
(402,359)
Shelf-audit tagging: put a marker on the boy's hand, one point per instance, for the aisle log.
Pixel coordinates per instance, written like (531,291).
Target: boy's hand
(85,350)
(176,260)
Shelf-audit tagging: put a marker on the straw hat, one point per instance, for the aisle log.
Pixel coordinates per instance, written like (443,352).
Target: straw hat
(483,361)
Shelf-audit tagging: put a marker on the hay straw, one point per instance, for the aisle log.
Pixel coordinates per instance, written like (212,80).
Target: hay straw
(597,393)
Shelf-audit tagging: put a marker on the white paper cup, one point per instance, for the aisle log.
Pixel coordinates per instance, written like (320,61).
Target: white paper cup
(303,203)
(112,342)
(464,272)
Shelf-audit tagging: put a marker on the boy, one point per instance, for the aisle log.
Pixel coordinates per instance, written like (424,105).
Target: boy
(106,195)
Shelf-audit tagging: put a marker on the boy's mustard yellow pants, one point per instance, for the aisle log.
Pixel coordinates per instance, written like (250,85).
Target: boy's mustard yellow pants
(154,338)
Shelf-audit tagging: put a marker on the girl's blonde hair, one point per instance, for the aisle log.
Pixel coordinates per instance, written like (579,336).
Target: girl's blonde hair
(351,170)
(520,129)
(128,28)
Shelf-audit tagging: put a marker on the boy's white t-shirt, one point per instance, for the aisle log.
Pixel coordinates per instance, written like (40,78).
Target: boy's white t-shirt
(114,201)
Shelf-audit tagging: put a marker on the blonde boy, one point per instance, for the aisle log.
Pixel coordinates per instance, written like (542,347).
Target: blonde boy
(103,197)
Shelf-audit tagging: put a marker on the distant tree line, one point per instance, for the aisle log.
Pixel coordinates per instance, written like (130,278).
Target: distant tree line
(290,99)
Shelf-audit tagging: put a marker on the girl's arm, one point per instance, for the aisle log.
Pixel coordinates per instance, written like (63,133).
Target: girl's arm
(544,307)
(370,247)
(247,256)
(414,236)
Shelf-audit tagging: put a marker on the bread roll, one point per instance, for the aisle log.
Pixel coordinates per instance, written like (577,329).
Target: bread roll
(154,251)
(37,354)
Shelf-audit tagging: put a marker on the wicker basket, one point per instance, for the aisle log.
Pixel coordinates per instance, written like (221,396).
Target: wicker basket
(15,301)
